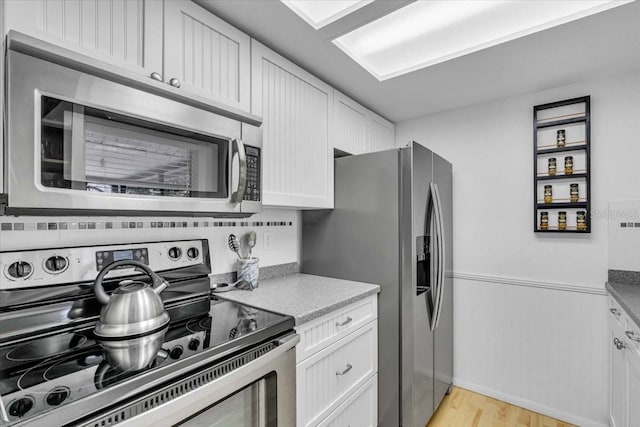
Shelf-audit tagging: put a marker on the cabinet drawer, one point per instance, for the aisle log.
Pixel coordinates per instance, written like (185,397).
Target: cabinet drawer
(359,410)
(321,333)
(324,379)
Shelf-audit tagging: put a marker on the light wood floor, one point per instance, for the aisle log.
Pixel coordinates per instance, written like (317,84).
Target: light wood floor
(463,408)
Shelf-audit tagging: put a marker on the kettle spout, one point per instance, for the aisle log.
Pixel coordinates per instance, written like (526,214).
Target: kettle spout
(161,286)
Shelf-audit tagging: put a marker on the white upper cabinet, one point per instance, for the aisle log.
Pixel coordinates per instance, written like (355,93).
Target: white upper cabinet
(297,112)
(205,55)
(358,130)
(382,135)
(351,125)
(125,33)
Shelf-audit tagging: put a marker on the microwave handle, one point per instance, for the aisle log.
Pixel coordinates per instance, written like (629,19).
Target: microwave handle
(238,146)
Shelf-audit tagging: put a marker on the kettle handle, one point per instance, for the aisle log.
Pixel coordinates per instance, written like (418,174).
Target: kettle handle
(159,284)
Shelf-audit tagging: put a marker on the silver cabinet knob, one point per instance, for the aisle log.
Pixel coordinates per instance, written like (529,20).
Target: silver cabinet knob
(615,312)
(156,76)
(174,82)
(618,344)
(632,336)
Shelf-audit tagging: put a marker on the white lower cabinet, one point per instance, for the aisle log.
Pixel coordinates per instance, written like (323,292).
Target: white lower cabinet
(337,383)
(361,409)
(624,369)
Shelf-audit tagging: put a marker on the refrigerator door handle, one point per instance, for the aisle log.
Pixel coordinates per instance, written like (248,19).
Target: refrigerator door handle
(441,254)
(434,257)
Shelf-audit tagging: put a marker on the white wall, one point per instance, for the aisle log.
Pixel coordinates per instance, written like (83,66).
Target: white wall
(282,225)
(530,323)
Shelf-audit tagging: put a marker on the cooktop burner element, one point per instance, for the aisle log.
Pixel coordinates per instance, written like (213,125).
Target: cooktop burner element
(46,347)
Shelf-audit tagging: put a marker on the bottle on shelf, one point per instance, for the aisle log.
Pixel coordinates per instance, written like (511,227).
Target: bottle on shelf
(548,193)
(581,220)
(568,165)
(552,166)
(544,220)
(562,220)
(560,138)
(574,192)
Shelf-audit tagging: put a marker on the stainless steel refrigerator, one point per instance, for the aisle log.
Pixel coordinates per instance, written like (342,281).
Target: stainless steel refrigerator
(392,225)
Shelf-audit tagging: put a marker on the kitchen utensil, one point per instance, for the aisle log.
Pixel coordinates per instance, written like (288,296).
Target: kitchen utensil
(251,241)
(234,245)
(122,316)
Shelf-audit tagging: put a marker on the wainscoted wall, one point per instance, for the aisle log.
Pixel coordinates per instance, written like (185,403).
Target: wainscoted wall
(542,344)
(45,232)
(533,345)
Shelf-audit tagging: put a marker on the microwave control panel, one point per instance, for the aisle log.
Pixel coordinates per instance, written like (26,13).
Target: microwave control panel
(253,174)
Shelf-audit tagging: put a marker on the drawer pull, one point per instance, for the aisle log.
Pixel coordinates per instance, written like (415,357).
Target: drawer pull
(632,336)
(347,369)
(346,322)
(615,312)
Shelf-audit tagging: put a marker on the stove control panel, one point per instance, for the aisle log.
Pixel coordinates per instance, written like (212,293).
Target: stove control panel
(46,267)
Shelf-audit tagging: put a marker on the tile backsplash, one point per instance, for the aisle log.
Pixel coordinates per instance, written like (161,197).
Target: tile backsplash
(280,226)
(624,235)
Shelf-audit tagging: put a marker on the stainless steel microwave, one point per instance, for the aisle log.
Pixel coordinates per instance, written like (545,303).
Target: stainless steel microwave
(78,144)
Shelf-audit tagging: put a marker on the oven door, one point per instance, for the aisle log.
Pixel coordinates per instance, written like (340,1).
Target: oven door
(78,143)
(261,393)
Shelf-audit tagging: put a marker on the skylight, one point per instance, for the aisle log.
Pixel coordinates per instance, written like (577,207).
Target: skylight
(319,13)
(428,32)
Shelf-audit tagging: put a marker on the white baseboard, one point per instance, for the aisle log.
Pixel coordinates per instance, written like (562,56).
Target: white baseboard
(527,404)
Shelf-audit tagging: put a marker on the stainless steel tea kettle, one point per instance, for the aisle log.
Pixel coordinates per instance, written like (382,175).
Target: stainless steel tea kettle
(134,308)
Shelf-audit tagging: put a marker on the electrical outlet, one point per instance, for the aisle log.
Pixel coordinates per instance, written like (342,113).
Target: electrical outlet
(268,240)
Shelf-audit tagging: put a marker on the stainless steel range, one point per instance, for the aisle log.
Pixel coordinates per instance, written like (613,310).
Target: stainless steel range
(218,361)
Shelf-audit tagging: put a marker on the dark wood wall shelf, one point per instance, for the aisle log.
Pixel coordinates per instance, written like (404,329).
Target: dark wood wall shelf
(578,122)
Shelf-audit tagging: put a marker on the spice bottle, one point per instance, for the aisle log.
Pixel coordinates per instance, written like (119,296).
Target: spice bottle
(544,220)
(581,220)
(568,165)
(562,220)
(574,193)
(560,138)
(548,193)
(552,166)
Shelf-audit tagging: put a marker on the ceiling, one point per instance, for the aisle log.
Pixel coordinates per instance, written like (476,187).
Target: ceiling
(604,44)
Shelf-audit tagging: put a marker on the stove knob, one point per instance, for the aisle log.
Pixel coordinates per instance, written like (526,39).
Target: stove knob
(20,407)
(194,344)
(20,270)
(57,396)
(176,352)
(175,253)
(193,253)
(56,264)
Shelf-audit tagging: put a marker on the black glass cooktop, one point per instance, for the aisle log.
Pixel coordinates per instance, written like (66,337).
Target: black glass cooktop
(41,374)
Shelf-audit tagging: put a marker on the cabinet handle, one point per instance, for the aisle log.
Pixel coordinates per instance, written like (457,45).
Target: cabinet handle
(632,336)
(156,76)
(618,344)
(615,312)
(346,322)
(347,369)
(174,82)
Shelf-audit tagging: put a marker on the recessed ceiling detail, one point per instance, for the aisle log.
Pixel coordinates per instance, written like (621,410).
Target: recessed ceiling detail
(426,33)
(319,13)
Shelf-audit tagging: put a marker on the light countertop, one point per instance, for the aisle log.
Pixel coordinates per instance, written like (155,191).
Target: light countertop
(628,296)
(303,296)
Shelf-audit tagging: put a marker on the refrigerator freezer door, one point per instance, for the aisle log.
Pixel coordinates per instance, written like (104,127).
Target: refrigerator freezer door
(420,365)
(443,334)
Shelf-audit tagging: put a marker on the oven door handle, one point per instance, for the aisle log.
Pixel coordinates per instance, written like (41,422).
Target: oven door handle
(238,146)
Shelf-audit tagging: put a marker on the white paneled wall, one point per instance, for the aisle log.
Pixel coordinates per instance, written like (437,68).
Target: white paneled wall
(282,225)
(543,349)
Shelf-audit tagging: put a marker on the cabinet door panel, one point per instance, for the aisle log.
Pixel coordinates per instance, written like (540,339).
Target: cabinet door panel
(208,56)
(297,112)
(125,33)
(633,371)
(382,133)
(618,379)
(350,127)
